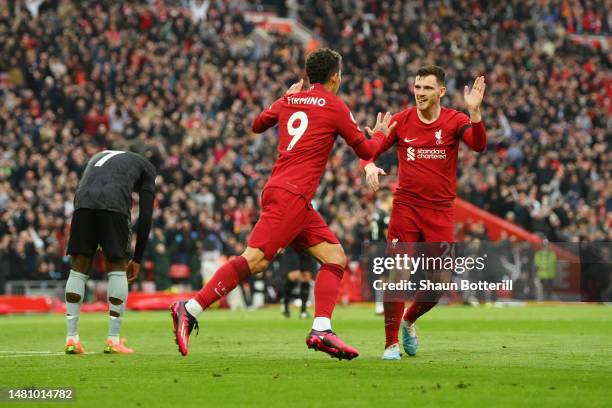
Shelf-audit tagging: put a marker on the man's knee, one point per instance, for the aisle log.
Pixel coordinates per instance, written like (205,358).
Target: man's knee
(259,266)
(337,257)
(81,263)
(327,253)
(116,264)
(256,260)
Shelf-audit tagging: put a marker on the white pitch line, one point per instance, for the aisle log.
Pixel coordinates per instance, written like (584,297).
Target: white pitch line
(16,353)
(31,355)
(24,352)
(12,353)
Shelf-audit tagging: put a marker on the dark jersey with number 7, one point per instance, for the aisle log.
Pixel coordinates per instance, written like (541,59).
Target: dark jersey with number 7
(110,178)
(308,124)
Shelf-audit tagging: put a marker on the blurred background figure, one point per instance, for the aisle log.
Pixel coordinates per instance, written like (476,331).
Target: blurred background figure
(545,261)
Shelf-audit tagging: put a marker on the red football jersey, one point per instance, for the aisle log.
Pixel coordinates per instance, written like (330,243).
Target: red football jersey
(308,123)
(427,155)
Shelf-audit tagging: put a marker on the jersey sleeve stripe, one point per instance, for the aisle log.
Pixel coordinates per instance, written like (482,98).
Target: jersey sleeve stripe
(463,129)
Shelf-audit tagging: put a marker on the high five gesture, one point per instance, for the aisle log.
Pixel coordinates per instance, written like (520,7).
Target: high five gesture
(473,98)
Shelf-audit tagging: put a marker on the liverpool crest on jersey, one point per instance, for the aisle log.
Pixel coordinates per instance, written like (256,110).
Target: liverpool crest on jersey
(438,136)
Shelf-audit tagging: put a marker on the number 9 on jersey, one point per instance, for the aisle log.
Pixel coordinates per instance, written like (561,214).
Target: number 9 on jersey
(296,132)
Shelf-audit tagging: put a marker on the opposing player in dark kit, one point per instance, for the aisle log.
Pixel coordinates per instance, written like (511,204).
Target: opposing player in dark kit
(101,221)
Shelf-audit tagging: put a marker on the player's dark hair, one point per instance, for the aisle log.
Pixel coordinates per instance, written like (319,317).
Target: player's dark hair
(432,70)
(321,64)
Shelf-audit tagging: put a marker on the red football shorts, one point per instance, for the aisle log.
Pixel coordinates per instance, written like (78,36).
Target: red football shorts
(411,223)
(287,219)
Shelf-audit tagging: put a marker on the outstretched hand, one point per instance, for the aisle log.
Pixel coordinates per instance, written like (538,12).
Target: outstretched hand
(473,98)
(372,173)
(382,124)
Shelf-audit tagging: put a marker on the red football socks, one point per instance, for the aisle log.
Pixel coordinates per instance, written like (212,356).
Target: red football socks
(393,319)
(223,281)
(326,289)
(421,304)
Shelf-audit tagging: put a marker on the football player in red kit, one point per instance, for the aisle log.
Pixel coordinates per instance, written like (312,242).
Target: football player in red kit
(308,124)
(427,137)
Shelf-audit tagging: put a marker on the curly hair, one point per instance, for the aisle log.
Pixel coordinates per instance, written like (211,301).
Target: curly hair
(321,64)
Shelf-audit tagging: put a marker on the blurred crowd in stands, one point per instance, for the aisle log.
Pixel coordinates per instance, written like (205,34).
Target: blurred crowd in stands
(181,81)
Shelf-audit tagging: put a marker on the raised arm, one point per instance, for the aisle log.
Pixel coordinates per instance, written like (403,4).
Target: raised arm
(269,117)
(475,136)
(364,148)
(266,119)
(385,145)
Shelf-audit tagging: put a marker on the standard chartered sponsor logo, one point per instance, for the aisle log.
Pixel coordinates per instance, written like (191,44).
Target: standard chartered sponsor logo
(435,154)
(410,153)
(425,153)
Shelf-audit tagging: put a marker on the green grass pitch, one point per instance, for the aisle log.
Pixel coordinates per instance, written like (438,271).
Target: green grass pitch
(532,356)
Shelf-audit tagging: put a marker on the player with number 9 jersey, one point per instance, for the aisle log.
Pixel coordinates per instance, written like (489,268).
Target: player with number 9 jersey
(308,123)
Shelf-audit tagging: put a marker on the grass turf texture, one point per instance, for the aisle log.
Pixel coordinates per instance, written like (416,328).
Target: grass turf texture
(544,356)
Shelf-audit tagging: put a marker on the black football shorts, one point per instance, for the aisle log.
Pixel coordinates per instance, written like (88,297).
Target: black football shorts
(91,228)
